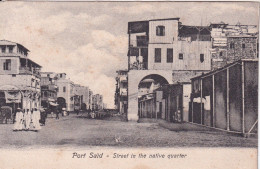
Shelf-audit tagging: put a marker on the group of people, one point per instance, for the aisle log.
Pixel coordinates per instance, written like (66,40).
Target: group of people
(27,120)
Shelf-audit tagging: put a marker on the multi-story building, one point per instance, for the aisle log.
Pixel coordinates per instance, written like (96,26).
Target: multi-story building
(97,102)
(164,51)
(66,93)
(121,91)
(90,100)
(81,96)
(48,88)
(20,77)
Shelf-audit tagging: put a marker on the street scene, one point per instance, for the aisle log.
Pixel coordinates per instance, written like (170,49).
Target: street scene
(80,131)
(73,77)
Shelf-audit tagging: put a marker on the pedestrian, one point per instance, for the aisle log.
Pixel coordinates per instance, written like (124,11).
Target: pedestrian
(43,117)
(57,113)
(27,119)
(18,125)
(36,119)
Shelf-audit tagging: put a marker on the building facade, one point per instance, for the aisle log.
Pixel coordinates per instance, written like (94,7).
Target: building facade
(20,77)
(162,50)
(81,97)
(97,102)
(232,42)
(48,88)
(66,93)
(121,91)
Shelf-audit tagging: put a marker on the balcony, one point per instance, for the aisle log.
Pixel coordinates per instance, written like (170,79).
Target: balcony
(139,42)
(6,54)
(51,87)
(27,70)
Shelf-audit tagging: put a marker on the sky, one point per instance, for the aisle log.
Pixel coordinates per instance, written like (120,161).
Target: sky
(89,41)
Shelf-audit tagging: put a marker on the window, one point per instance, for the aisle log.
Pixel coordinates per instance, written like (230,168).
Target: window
(160,30)
(157,55)
(201,58)
(169,55)
(181,56)
(3,49)
(243,46)
(221,54)
(60,75)
(64,89)
(7,64)
(11,49)
(232,45)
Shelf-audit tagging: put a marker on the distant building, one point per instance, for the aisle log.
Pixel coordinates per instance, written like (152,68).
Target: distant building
(90,100)
(66,93)
(97,102)
(81,97)
(20,77)
(121,91)
(48,88)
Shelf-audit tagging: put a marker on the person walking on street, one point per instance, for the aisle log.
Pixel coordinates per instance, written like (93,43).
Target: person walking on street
(36,119)
(57,113)
(27,119)
(18,125)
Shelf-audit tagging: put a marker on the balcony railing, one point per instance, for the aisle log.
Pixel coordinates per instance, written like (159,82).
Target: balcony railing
(27,70)
(139,43)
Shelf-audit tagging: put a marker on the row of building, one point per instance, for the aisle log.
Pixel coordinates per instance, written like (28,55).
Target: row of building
(23,84)
(188,73)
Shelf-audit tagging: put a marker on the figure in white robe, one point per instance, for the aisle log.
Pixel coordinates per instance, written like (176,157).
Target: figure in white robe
(27,119)
(18,125)
(36,116)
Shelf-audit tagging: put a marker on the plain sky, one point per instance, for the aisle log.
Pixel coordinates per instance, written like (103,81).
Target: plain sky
(88,40)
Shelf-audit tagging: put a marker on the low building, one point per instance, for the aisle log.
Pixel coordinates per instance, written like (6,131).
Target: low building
(168,102)
(20,77)
(227,98)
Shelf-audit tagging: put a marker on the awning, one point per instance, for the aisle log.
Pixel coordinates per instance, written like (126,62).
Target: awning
(13,96)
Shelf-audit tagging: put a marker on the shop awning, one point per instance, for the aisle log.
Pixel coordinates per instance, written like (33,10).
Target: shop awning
(13,96)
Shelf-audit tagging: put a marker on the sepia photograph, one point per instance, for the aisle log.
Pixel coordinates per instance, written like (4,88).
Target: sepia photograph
(94,84)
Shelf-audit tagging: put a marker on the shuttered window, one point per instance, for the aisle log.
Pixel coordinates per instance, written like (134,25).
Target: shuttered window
(169,55)
(181,56)
(157,55)
(160,30)
(7,64)
(201,58)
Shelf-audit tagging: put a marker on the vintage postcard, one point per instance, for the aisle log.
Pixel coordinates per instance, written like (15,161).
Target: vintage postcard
(135,85)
